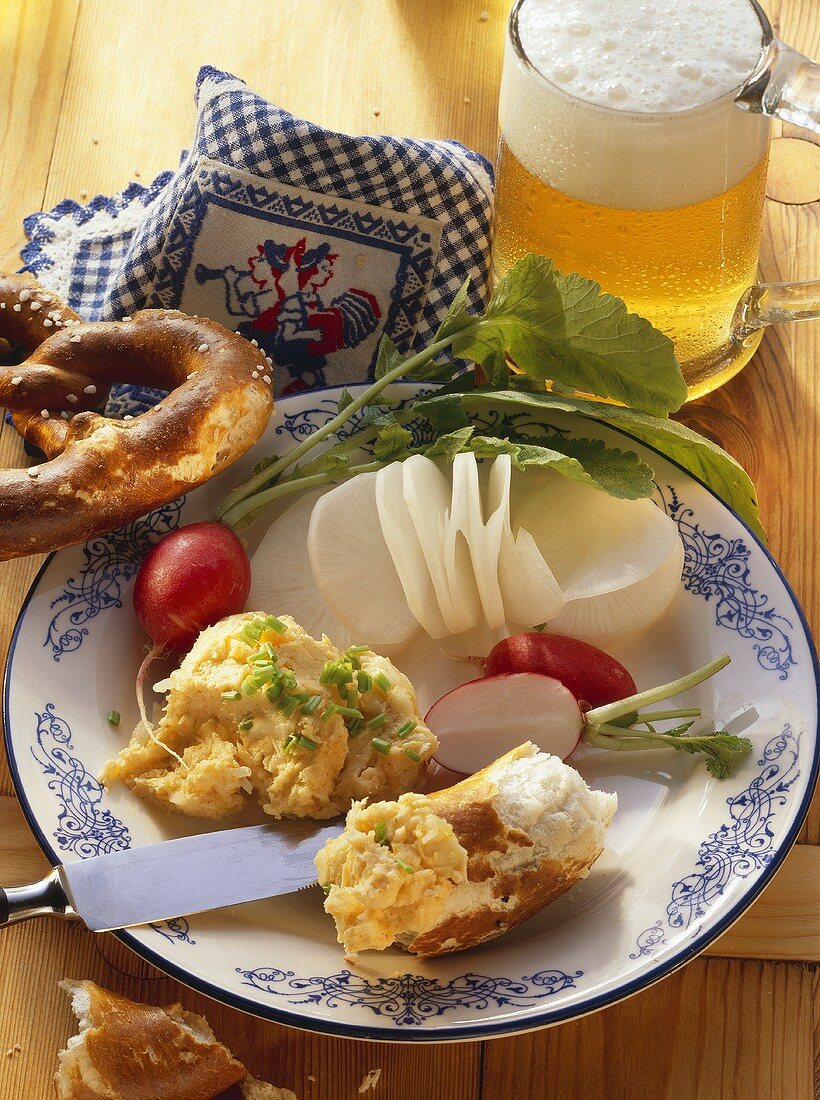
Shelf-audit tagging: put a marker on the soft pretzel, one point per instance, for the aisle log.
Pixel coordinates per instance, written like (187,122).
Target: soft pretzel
(102,473)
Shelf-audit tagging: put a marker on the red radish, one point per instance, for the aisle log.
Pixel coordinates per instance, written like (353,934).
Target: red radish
(481,720)
(590,674)
(191,579)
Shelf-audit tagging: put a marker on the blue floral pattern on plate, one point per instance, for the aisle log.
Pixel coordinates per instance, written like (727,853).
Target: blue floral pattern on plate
(110,560)
(717,567)
(740,848)
(410,999)
(84,827)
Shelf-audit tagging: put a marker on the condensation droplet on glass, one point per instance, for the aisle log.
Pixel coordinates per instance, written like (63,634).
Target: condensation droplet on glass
(618,93)
(578,28)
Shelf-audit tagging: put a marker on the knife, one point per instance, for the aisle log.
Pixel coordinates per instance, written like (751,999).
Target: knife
(175,877)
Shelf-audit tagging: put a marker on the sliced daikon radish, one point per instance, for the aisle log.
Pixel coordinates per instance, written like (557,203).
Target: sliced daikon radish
(475,643)
(598,547)
(282,579)
(530,592)
(480,721)
(353,567)
(471,547)
(427,494)
(594,542)
(403,543)
(612,615)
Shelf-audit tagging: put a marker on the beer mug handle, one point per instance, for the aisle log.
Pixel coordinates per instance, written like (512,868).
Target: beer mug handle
(786,85)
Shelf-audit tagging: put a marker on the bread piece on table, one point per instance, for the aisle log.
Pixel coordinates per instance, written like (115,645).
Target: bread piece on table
(130,1051)
(526,828)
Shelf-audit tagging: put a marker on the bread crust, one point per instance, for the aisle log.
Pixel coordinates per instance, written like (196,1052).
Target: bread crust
(501,898)
(133,1051)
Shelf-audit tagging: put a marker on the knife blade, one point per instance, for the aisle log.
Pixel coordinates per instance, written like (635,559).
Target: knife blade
(175,877)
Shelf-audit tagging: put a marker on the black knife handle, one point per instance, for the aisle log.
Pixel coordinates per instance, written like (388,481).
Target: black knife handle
(40,899)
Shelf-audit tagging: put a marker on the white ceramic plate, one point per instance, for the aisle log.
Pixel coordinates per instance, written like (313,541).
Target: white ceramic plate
(685,855)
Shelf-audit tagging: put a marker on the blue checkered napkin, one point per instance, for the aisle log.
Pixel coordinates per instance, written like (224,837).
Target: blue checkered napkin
(311,242)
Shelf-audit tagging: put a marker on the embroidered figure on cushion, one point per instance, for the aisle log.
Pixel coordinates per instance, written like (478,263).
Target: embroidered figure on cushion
(278,295)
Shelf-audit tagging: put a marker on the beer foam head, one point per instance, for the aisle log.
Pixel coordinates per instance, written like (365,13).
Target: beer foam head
(633,105)
(657,55)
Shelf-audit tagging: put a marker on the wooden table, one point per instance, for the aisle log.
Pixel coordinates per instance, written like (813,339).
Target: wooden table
(94,94)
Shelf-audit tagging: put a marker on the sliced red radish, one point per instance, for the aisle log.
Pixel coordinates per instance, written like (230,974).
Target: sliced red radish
(480,721)
(589,673)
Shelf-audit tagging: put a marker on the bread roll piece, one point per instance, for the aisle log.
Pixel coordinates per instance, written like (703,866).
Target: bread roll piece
(528,826)
(130,1051)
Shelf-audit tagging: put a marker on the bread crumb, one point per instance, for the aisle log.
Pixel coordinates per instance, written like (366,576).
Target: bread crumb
(311,1077)
(370,1080)
(377,111)
(484,16)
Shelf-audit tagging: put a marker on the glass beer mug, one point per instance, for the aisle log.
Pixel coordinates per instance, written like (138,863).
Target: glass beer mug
(624,157)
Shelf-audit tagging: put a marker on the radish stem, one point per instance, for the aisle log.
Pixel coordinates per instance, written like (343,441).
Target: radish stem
(403,369)
(611,711)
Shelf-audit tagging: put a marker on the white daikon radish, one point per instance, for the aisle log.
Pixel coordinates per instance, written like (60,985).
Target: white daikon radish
(530,592)
(282,579)
(471,547)
(403,543)
(480,721)
(612,615)
(427,494)
(353,567)
(599,548)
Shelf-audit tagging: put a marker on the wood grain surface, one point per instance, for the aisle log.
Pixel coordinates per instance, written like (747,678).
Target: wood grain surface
(94,94)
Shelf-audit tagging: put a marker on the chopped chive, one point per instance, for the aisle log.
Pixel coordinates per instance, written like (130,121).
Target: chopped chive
(328,672)
(408,870)
(272,623)
(266,653)
(310,705)
(380,745)
(364,681)
(246,724)
(377,722)
(113,717)
(263,675)
(251,631)
(289,744)
(405,729)
(288,705)
(351,697)
(414,756)
(306,743)
(326,886)
(382,682)
(380,831)
(355,726)
(274,691)
(231,696)
(348,712)
(355,650)
(288,678)
(249,687)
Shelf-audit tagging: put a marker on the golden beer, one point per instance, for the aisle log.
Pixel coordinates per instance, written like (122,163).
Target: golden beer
(683,267)
(623,157)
